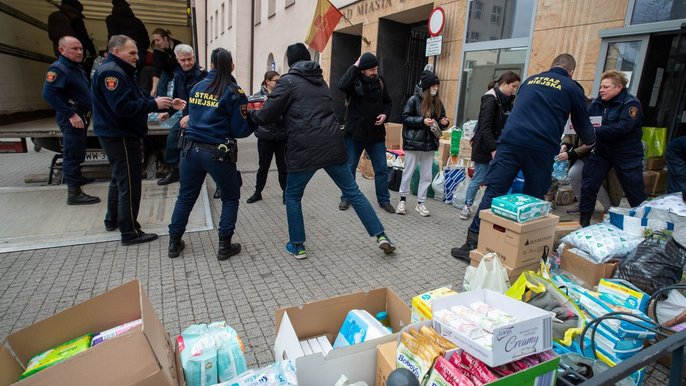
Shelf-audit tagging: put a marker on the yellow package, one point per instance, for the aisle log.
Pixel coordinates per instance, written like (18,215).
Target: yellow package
(413,354)
(57,355)
(421,304)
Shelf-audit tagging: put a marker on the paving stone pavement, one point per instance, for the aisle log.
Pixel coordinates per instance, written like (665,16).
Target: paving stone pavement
(247,289)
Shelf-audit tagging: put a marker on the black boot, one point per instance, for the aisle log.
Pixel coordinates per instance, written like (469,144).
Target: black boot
(176,245)
(83,180)
(257,196)
(585,219)
(462,252)
(171,177)
(75,196)
(226,248)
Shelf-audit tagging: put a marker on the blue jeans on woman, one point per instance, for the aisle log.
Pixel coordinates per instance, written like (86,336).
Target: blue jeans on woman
(480,171)
(341,176)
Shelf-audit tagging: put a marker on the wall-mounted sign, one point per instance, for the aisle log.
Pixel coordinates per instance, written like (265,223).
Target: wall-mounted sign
(433,45)
(436,21)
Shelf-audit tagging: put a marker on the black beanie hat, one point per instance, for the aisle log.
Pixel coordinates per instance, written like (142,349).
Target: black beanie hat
(74,4)
(297,52)
(367,61)
(428,79)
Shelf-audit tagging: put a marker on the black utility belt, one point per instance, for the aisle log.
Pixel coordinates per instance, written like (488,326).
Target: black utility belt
(223,152)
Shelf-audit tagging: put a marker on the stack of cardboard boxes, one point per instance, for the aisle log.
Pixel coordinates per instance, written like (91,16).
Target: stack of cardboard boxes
(655,176)
(520,246)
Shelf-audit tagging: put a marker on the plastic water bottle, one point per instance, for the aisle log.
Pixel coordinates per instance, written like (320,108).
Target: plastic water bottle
(560,169)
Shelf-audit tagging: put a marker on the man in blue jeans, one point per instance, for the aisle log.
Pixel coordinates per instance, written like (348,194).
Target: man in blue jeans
(531,138)
(315,141)
(367,108)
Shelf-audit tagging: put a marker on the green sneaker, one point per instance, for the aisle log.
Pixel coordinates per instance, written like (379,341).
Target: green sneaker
(297,250)
(385,244)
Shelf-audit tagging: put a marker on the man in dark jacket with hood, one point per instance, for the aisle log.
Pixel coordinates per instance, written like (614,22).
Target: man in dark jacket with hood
(315,141)
(367,109)
(122,21)
(68,21)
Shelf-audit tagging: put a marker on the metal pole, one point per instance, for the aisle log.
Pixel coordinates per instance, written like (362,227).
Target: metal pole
(194,30)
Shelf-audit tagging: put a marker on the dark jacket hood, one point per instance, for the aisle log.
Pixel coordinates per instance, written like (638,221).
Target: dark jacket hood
(121,8)
(308,70)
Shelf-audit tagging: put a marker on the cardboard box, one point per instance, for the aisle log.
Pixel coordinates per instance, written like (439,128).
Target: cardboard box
(533,332)
(512,273)
(325,317)
(655,163)
(443,152)
(385,361)
(421,304)
(141,356)
(660,185)
(563,229)
(649,179)
(394,135)
(518,244)
(587,271)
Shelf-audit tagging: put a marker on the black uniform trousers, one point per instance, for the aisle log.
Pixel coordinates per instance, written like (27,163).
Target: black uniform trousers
(267,149)
(124,196)
(509,160)
(73,152)
(596,169)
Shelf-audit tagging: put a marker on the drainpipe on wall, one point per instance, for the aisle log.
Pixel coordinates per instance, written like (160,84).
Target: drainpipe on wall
(252,45)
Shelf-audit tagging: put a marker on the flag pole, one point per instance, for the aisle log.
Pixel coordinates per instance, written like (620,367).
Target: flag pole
(364,39)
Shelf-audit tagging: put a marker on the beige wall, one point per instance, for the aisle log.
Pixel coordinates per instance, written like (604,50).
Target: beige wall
(235,36)
(572,27)
(274,34)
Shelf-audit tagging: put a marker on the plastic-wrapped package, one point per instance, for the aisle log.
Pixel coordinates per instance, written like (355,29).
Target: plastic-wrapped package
(277,374)
(230,358)
(603,242)
(198,356)
(56,355)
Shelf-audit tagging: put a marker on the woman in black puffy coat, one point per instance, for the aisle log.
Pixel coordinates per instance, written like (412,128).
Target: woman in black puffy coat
(421,111)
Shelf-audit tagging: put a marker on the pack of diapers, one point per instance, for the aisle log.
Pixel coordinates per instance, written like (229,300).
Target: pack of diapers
(359,326)
(520,207)
(603,242)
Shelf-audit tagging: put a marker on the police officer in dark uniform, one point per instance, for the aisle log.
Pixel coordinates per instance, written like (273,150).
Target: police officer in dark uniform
(120,120)
(67,90)
(218,110)
(619,145)
(531,137)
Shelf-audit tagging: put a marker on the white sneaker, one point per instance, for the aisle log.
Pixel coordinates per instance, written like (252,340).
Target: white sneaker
(421,208)
(401,208)
(466,212)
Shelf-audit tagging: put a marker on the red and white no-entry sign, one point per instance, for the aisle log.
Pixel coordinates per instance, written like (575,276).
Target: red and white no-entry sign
(436,21)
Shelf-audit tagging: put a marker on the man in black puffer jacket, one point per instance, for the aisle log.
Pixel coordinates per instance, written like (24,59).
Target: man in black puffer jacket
(315,141)
(367,109)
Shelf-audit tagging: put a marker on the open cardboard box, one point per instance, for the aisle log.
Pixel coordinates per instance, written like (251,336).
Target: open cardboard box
(531,334)
(325,318)
(141,356)
(587,271)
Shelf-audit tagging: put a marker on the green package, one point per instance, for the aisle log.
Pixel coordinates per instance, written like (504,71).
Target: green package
(57,355)
(654,141)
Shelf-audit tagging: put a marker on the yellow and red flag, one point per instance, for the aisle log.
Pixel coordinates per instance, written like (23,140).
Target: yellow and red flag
(325,19)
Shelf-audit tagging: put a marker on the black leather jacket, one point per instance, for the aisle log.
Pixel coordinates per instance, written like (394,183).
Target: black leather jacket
(416,135)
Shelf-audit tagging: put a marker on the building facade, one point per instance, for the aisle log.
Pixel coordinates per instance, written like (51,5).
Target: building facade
(480,39)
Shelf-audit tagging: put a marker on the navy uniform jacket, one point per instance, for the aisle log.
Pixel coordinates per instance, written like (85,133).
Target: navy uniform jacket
(120,105)
(544,102)
(214,120)
(620,132)
(67,90)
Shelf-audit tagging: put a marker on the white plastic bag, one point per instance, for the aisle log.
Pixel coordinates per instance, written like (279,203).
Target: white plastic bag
(490,274)
(438,185)
(460,193)
(672,308)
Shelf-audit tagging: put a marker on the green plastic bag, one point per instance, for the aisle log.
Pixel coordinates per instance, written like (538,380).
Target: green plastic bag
(654,141)
(455,137)
(414,182)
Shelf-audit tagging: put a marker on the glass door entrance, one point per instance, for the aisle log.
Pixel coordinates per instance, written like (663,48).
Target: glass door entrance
(662,88)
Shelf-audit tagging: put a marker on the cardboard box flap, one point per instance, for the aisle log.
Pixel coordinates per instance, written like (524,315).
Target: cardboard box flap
(10,369)
(158,339)
(325,317)
(399,315)
(286,344)
(102,365)
(110,309)
(517,227)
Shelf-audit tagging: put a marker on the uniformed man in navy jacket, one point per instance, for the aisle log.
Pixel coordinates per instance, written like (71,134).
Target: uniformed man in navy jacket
(120,120)
(67,90)
(531,137)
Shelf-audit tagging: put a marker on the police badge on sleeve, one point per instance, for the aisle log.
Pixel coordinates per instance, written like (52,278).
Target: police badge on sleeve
(633,112)
(111,83)
(51,76)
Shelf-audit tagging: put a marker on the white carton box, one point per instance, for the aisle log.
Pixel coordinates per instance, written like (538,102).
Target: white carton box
(530,335)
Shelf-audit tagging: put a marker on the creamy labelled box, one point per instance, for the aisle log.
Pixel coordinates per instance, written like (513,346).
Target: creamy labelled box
(531,334)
